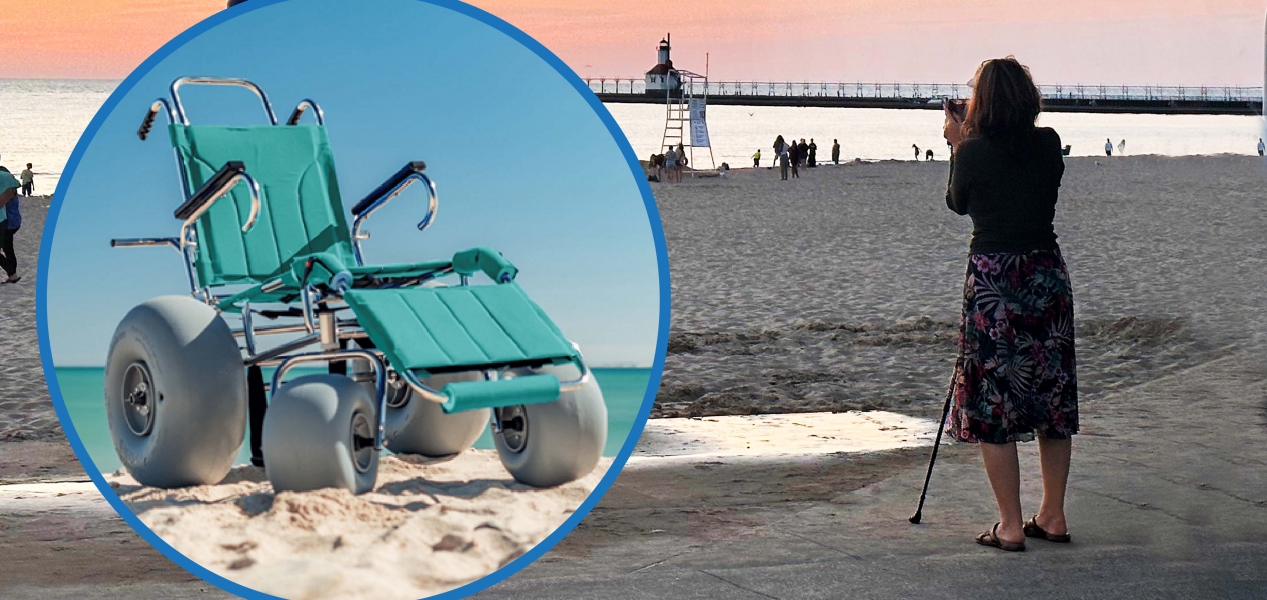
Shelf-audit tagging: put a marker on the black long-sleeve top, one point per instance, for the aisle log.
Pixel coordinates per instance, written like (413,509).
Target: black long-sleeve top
(1009,187)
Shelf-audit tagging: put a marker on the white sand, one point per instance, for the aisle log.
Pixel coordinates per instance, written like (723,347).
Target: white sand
(780,436)
(428,526)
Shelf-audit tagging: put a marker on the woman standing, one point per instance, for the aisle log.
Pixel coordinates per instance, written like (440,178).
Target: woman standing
(1016,374)
(10,222)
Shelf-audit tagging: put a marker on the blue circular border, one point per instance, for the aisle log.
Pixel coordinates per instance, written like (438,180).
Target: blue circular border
(657,231)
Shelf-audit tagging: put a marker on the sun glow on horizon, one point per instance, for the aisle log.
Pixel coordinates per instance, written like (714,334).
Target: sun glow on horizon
(1143,42)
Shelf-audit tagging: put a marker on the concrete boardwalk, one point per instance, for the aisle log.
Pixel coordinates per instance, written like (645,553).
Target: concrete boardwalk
(1168,499)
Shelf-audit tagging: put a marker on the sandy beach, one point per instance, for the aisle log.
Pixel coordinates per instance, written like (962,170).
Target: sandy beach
(430,525)
(831,303)
(58,536)
(840,291)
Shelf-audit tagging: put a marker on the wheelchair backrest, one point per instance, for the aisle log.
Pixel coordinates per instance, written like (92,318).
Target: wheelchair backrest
(301,210)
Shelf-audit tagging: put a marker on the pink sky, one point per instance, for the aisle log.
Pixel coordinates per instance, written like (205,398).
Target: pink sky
(1191,42)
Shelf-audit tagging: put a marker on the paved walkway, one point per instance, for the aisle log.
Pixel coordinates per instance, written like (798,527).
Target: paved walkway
(1168,499)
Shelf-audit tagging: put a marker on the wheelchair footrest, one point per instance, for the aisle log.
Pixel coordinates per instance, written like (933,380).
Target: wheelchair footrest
(528,389)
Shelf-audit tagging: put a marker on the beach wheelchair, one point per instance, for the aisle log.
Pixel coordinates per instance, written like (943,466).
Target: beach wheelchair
(418,358)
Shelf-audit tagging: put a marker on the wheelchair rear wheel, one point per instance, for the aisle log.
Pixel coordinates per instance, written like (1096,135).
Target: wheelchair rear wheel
(175,393)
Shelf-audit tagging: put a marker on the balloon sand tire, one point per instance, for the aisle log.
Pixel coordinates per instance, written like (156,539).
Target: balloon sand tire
(550,444)
(319,433)
(175,392)
(417,426)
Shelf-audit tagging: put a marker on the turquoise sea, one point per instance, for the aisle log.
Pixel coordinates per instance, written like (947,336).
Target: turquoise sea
(82,389)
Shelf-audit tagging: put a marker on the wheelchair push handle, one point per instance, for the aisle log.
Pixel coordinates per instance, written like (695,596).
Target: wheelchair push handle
(218,81)
(303,107)
(150,115)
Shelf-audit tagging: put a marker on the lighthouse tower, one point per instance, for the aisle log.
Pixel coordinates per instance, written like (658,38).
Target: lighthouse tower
(663,78)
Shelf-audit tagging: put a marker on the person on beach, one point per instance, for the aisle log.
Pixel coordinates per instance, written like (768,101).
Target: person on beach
(916,152)
(670,164)
(1261,147)
(835,152)
(28,181)
(928,155)
(9,226)
(813,154)
(1108,147)
(794,157)
(756,159)
(1121,148)
(784,157)
(802,152)
(1015,378)
(779,147)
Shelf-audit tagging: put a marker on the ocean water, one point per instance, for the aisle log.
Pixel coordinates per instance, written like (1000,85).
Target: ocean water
(82,390)
(41,120)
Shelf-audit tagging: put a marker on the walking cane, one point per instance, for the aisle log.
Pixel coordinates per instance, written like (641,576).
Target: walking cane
(945,412)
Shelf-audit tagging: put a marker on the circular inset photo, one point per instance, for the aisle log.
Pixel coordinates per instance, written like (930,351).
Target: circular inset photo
(289,406)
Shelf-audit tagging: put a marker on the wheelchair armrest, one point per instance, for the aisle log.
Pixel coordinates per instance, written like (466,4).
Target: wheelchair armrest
(410,169)
(212,189)
(491,262)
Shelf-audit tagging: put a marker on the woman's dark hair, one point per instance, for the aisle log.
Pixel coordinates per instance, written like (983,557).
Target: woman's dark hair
(1005,101)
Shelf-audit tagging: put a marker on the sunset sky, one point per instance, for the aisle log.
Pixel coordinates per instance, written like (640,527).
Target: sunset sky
(1191,42)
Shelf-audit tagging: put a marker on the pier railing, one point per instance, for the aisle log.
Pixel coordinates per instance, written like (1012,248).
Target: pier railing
(929,91)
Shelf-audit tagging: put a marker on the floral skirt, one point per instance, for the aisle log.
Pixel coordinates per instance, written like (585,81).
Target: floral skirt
(1016,375)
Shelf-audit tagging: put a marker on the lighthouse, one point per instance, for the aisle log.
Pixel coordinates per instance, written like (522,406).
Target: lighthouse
(663,78)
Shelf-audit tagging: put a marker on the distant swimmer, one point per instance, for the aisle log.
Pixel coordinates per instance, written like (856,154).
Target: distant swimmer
(916,151)
(835,150)
(1121,147)
(1108,147)
(1261,147)
(756,159)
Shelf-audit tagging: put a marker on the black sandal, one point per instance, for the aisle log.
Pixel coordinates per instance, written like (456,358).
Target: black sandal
(1033,530)
(991,538)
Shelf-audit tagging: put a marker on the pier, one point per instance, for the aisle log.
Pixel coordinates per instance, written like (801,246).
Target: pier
(1167,100)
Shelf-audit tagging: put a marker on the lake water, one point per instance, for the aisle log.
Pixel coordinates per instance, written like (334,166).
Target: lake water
(41,120)
(83,391)
(887,134)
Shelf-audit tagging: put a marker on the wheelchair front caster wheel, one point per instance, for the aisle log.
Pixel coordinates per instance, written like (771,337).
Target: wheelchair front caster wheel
(319,433)
(417,426)
(550,444)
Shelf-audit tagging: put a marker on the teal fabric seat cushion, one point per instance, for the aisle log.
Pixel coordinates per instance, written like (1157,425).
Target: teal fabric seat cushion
(428,328)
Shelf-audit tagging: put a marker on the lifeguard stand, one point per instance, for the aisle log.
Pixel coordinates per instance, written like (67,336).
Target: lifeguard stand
(679,88)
